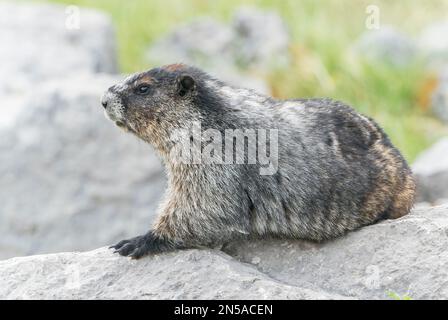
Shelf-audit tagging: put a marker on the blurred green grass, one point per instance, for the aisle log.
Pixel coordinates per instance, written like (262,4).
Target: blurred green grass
(322,33)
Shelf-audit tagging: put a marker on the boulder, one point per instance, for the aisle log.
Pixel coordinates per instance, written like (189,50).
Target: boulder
(403,258)
(69,178)
(386,45)
(262,39)
(41,41)
(431,171)
(439,97)
(203,41)
(241,52)
(433,44)
(99,274)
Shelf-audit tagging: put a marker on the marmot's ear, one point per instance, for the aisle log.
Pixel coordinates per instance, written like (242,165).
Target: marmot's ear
(185,84)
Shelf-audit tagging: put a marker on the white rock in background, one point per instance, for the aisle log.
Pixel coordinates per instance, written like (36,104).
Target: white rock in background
(433,44)
(255,39)
(431,171)
(70,179)
(203,42)
(35,44)
(387,45)
(404,257)
(439,97)
(234,77)
(439,102)
(262,39)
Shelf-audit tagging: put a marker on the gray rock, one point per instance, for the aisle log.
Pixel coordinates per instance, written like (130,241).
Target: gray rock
(262,39)
(233,76)
(39,41)
(192,274)
(439,102)
(439,98)
(208,44)
(70,179)
(433,44)
(255,40)
(202,42)
(387,45)
(431,171)
(404,257)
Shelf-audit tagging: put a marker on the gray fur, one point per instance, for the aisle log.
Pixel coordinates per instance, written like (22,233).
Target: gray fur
(337,170)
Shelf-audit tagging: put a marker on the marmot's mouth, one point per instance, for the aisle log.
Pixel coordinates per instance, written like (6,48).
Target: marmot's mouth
(120,124)
(124,126)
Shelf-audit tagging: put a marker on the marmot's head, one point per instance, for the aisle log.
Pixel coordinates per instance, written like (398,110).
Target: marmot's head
(152,104)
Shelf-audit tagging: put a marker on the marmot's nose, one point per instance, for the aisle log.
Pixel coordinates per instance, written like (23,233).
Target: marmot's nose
(104,101)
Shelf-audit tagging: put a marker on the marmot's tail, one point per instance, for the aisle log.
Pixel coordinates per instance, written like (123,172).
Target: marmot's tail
(404,198)
(395,176)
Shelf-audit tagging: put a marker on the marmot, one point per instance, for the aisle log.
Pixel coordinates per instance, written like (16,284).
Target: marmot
(336,170)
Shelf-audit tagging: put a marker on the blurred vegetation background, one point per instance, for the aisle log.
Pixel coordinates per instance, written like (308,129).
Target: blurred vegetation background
(322,33)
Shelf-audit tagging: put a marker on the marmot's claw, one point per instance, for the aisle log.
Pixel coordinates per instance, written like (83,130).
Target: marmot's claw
(134,248)
(119,245)
(139,252)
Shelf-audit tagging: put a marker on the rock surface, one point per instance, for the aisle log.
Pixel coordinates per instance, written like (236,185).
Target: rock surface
(192,274)
(67,170)
(431,171)
(404,257)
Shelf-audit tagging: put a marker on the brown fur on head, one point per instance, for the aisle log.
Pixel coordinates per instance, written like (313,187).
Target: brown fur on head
(153,103)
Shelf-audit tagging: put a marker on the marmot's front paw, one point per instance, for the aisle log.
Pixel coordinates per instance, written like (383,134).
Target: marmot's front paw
(135,247)
(143,245)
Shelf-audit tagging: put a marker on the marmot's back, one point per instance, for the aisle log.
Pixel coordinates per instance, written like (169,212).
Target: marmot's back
(337,170)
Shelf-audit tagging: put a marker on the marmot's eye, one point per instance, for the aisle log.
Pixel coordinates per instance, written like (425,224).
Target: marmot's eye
(142,89)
